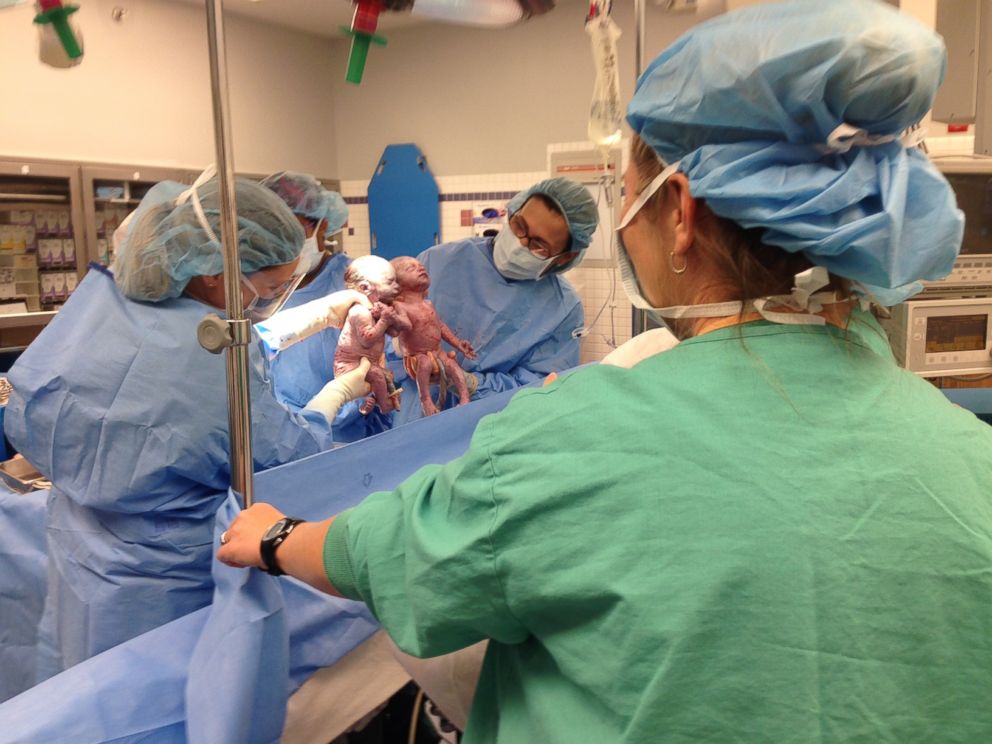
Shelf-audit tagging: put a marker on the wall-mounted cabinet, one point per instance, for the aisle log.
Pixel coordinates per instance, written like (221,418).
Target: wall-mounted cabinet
(41,243)
(57,217)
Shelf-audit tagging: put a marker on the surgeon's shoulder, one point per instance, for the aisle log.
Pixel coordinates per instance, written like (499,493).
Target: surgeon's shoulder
(562,288)
(447,250)
(592,385)
(569,294)
(579,405)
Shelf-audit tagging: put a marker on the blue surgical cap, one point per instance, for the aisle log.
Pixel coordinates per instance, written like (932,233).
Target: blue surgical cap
(786,117)
(307,197)
(165,245)
(575,203)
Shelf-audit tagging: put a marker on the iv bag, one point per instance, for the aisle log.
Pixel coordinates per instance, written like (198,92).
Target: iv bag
(606,111)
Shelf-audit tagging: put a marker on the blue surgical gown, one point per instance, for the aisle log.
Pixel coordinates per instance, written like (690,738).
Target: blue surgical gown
(119,406)
(300,371)
(521,330)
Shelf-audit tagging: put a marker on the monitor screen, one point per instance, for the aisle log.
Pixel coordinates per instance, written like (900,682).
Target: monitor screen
(974,194)
(956,333)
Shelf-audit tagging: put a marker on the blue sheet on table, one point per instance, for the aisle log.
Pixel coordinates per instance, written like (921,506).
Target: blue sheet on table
(215,674)
(23,581)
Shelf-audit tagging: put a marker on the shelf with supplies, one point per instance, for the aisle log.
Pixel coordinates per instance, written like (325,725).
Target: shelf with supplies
(56,217)
(42,254)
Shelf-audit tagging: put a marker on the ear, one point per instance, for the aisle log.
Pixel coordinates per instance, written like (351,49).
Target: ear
(685,225)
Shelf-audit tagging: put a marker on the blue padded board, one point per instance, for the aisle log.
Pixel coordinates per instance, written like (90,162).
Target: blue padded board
(404,213)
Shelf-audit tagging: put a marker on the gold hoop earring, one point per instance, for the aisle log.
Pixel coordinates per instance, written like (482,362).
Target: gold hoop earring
(677,270)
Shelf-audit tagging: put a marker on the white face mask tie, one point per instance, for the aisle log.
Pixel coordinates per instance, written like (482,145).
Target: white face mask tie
(650,190)
(845,136)
(804,297)
(628,277)
(192,194)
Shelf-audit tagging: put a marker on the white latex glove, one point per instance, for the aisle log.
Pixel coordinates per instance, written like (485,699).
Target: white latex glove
(288,327)
(340,390)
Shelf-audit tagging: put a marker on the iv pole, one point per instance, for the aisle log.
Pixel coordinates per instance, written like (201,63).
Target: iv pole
(638,317)
(238,328)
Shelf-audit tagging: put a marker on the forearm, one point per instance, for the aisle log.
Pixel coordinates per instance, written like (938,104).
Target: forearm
(401,321)
(295,324)
(291,326)
(370,333)
(302,555)
(448,335)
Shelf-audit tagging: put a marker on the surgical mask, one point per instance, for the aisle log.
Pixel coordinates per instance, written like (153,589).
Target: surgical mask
(804,297)
(512,258)
(311,254)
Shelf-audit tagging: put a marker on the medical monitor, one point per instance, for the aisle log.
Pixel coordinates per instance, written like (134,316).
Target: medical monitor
(939,336)
(971,179)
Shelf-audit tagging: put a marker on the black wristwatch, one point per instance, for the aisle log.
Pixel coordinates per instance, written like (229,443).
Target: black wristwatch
(274,537)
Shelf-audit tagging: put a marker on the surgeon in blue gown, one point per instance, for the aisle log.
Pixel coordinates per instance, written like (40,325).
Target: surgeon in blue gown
(119,406)
(301,371)
(505,295)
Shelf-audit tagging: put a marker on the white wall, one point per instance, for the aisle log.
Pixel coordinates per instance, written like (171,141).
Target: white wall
(479,101)
(142,92)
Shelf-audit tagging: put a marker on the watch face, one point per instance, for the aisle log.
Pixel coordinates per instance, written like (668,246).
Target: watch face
(274,529)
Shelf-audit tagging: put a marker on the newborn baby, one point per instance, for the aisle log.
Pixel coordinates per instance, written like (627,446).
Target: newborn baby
(420,335)
(364,332)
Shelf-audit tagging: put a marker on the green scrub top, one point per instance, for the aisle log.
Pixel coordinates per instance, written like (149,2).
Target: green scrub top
(769,533)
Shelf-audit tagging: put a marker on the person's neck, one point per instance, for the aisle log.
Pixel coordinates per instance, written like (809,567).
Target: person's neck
(836,314)
(196,289)
(410,295)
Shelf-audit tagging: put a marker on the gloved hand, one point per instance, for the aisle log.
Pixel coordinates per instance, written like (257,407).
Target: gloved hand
(288,327)
(472,381)
(340,390)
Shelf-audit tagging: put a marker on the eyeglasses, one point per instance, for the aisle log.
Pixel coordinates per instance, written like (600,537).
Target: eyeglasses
(267,300)
(536,245)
